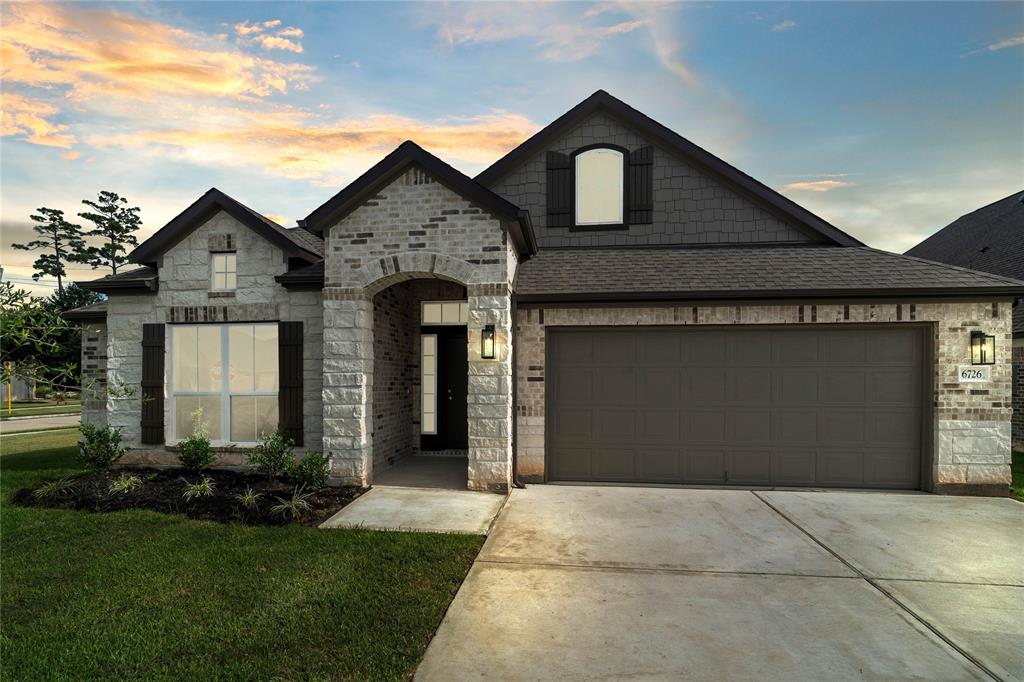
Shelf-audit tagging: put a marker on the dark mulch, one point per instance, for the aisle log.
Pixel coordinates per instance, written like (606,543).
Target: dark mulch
(162,490)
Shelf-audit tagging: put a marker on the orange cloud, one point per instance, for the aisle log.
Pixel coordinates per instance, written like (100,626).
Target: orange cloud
(106,53)
(269,42)
(291,32)
(293,143)
(29,119)
(816,185)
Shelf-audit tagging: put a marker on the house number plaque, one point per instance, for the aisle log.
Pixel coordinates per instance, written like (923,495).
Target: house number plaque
(974,374)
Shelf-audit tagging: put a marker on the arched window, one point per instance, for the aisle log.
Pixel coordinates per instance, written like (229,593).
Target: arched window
(599,186)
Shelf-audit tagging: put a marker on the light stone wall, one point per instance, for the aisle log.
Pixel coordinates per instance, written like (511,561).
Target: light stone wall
(971,430)
(185,285)
(415,228)
(94,373)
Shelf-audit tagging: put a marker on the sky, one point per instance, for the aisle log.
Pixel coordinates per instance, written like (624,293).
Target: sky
(889,120)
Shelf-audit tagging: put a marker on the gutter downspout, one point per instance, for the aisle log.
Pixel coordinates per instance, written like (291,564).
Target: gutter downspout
(516,483)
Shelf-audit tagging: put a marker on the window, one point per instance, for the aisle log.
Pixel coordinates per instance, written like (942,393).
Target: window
(599,187)
(230,373)
(428,380)
(224,274)
(444,312)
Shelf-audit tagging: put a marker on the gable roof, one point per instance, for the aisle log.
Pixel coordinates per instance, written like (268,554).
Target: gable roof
(397,162)
(673,142)
(295,242)
(740,273)
(990,238)
(144,279)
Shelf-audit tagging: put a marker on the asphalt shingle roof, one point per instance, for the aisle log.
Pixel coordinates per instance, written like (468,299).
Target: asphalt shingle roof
(758,272)
(990,239)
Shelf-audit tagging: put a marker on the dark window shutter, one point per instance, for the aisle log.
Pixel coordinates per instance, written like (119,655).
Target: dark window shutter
(640,188)
(560,190)
(153,384)
(289,388)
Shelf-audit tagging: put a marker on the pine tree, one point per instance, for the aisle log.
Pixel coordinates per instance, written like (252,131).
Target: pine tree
(61,238)
(117,224)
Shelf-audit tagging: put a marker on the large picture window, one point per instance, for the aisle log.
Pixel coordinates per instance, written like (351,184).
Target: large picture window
(230,373)
(599,193)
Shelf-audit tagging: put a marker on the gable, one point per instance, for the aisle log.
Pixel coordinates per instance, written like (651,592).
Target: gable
(697,198)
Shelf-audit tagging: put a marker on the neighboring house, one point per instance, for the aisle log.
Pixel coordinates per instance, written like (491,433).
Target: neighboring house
(990,239)
(608,302)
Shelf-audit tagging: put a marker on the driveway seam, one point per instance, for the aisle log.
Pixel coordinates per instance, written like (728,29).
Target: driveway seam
(870,581)
(659,569)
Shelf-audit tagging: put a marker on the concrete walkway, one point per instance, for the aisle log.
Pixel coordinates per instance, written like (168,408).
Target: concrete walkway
(39,423)
(420,509)
(589,582)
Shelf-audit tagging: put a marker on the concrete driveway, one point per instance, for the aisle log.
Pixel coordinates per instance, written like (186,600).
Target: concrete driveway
(589,582)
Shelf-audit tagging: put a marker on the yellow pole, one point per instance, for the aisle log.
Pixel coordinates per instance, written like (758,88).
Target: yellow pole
(10,377)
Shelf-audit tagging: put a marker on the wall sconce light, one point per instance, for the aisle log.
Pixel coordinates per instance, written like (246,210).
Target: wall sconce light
(487,342)
(983,348)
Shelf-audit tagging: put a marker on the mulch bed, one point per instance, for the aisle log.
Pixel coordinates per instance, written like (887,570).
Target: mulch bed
(162,489)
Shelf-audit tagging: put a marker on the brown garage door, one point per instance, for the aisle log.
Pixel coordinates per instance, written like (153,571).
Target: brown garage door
(839,407)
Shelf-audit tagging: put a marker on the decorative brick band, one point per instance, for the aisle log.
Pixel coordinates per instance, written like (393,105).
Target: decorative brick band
(490,289)
(222,242)
(245,312)
(1017,384)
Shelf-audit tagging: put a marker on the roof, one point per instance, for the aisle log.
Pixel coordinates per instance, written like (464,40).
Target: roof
(93,312)
(308,277)
(397,162)
(989,239)
(143,279)
(744,273)
(295,242)
(673,142)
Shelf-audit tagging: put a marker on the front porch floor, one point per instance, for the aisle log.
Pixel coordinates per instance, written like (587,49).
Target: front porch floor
(425,471)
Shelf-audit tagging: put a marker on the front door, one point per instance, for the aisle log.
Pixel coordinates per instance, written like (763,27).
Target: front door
(452,384)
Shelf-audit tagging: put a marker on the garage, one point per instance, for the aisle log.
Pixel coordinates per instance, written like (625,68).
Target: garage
(835,406)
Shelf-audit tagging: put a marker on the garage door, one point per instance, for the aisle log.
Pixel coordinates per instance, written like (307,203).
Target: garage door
(837,407)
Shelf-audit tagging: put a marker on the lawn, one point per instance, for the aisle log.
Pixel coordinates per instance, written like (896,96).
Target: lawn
(37,408)
(142,594)
(1017,487)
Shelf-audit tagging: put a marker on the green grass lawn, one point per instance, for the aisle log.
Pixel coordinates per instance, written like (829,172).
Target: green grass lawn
(37,409)
(1017,487)
(147,595)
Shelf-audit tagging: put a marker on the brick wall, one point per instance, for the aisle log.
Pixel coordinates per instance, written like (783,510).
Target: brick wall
(1018,395)
(94,373)
(690,206)
(971,430)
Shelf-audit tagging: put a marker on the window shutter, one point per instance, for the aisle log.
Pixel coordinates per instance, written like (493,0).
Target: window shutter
(640,189)
(560,191)
(153,384)
(289,385)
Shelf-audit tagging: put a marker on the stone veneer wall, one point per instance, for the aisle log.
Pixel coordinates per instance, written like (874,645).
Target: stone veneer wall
(185,295)
(1018,396)
(972,421)
(415,228)
(690,205)
(94,373)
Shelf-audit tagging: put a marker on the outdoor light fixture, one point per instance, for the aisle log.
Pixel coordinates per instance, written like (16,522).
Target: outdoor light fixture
(487,342)
(983,348)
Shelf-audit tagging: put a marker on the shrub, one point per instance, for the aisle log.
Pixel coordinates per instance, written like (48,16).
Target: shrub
(294,508)
(272,456)
(124,484)
(100,447)
(196,454)
(248,500)
(196,491)
(311,472)
(52,489)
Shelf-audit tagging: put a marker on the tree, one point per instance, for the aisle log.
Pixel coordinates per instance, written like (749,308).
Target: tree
(117,224)
(34,338)
(73,296)
(64,239)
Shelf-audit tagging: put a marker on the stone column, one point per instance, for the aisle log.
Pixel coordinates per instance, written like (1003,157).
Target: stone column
(348,384)
(490,390)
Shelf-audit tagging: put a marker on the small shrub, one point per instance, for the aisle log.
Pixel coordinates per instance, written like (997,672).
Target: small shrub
(100,447)
(124,484)
(52,489)
(311,472)
(197,491)
(196,454)
(293,508)
(248,500)
(272,456)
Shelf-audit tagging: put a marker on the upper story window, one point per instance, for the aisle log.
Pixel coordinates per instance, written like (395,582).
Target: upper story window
(224,276)
(599,187)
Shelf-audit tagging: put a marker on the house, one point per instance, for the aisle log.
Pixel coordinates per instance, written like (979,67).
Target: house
(608,302)
(990,239)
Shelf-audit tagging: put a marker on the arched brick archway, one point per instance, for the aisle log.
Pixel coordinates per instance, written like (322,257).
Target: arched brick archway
(381,273)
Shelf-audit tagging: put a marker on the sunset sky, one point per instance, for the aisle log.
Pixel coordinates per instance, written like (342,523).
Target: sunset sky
(887,119)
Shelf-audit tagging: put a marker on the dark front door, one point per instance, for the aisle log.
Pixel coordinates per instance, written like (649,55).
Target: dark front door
(452,383)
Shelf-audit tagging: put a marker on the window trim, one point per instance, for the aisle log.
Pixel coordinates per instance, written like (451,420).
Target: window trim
(225,394)
(213,270)
(575,225)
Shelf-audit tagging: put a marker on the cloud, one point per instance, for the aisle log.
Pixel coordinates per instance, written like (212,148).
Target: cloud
(816,186)
(1015,41)
(269,42)
(97,53)
(294,143)
(784,25)
(291,32)
(70,156)
(253,34)
(30,120)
